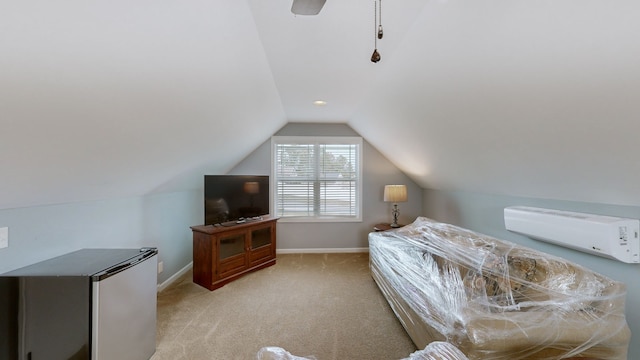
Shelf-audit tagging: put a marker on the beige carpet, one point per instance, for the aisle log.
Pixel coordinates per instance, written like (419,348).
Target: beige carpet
(321,305)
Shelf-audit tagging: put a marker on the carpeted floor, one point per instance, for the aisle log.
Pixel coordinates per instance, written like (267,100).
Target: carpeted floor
(321,305)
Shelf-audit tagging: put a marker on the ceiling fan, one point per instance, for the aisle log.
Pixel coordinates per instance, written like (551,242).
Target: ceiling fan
(307,7)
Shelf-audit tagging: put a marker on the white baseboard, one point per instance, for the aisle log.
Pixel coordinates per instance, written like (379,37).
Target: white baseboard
(174,277)
(322,251)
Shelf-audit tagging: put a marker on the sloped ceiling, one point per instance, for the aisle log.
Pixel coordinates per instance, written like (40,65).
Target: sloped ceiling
(123,98)
(104,99)
(528,98)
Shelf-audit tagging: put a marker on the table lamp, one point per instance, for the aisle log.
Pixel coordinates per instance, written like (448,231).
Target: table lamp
(395,194)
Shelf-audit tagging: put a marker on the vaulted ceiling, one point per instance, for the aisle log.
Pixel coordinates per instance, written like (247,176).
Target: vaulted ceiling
(104,99)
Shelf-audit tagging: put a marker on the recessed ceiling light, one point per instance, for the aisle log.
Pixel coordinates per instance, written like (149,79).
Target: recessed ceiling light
(319,103)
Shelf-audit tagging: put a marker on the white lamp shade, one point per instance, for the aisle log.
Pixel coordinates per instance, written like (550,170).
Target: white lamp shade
(395,193)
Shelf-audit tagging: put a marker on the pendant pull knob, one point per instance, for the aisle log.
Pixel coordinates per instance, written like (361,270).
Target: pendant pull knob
(375,57)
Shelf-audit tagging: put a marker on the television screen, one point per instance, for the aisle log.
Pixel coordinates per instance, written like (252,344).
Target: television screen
(231,197)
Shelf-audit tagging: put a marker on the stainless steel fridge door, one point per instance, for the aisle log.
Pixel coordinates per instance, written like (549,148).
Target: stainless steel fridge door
(124,313)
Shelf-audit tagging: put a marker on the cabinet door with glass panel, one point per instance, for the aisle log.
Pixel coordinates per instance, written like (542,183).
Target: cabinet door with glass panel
(262,246)
(231,253)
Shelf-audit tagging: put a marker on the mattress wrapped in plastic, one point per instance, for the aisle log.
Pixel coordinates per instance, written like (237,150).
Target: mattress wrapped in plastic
(494,299)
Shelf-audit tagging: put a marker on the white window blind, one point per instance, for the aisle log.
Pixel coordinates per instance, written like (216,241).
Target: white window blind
(317,178)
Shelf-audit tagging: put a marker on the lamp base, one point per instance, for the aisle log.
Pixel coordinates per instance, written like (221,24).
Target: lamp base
(395,213)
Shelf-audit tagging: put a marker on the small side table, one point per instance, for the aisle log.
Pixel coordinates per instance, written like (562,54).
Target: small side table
(384,227)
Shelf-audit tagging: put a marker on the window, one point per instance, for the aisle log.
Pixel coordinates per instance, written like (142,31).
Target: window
(317,178)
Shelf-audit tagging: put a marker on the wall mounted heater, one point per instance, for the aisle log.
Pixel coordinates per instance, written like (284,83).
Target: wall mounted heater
(607,236)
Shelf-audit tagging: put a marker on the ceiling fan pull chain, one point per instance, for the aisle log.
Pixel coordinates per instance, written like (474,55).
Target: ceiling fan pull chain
(380,33)
(375,57)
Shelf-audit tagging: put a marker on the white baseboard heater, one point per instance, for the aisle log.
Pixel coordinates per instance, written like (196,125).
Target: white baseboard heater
(607,236)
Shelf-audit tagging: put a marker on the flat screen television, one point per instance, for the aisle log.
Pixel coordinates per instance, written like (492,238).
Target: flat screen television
(232,197)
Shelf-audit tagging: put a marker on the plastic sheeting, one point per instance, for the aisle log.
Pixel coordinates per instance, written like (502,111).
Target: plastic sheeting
(438,350)
(278,353)
(434,351)
(493,299)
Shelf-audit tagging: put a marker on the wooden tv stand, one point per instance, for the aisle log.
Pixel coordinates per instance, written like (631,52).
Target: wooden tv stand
(222,254)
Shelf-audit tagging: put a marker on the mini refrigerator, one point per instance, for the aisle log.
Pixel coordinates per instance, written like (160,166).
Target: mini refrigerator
(97,304)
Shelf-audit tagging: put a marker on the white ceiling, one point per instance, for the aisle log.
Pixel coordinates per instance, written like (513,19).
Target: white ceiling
(104,99)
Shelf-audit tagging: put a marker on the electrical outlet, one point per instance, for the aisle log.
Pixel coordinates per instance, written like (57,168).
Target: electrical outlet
(160,267)
(4,237)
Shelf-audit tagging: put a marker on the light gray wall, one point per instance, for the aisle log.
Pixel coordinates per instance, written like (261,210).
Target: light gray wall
(163,220)
(484,213)
(377,172)
(160,220)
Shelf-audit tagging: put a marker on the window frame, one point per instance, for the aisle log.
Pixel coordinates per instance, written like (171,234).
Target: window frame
(317,141)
